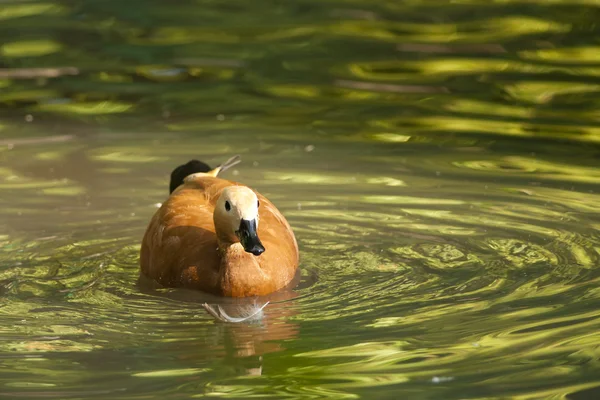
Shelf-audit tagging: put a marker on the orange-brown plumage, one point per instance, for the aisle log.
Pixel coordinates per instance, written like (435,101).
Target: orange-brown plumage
(190,241)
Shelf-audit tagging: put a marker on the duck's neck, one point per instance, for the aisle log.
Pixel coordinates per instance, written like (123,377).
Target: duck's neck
(240,272)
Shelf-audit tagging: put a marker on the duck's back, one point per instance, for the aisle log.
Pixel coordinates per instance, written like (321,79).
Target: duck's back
(180,247)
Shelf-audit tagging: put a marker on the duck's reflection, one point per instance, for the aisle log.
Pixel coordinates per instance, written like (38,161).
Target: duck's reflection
(245,329)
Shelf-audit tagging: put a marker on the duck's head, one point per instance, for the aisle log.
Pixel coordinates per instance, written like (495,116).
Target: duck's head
(236,218)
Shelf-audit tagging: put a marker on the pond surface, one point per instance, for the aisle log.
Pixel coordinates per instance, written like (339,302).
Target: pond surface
(438,162)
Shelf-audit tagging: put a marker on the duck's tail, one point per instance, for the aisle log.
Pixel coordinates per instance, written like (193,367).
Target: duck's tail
(192,167)
(179,173)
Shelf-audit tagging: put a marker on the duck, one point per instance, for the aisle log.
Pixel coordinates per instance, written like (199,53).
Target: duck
(218,236)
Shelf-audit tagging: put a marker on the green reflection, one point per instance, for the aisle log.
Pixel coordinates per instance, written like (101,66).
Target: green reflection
(30,48)
(89,108)
(437,162)
(411,278)
(9,11)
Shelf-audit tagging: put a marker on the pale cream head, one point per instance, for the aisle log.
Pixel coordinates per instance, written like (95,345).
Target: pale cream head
(234,204)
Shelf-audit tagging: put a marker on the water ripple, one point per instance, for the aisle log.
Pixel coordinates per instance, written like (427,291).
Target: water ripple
(438,163)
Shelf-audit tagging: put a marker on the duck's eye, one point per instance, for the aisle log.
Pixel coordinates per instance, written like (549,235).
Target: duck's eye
(257,203)
(227,206)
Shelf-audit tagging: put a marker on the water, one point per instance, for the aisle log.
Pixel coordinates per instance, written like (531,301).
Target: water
(437,161)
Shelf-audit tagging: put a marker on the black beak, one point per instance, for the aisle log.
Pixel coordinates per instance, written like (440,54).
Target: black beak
(249,238)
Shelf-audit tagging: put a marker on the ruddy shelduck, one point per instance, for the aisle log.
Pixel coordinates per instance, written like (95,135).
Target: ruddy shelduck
(218,236)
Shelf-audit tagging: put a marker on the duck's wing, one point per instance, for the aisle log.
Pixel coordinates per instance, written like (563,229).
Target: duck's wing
(180,245)
(281,254)
(216,171)
(235,160)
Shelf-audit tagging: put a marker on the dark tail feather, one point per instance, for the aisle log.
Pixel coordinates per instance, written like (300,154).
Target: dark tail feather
(179,173)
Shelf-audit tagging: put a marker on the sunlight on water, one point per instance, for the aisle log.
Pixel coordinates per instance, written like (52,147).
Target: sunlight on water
(431,283)
(438,162)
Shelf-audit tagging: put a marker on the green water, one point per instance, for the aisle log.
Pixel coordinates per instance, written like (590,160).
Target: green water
(438,162)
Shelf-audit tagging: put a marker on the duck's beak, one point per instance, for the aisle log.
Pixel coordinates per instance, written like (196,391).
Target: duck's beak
(249,238)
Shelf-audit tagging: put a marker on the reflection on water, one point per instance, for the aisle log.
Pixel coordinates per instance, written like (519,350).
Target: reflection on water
(441,273)
(438,162)
(421,69)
